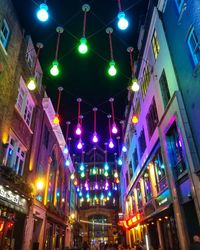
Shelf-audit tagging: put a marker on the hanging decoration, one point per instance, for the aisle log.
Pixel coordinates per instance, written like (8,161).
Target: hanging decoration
(80,143)
(83,48)
(110,144)
(119,161)
(54,71)
(134,119)
(32,81)
(42,13)
(124,147)
(82,166)
(79,127)
(122,22)
(112,71)
(67,162)
(56,119)
(116,175)
(95,138)
(135,86)
(114,127)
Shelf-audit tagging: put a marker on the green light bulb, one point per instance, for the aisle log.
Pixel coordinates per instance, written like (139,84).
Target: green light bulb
(94,171)
(106,173)
(83,48)
(54,69)
(82,174)
(112,71)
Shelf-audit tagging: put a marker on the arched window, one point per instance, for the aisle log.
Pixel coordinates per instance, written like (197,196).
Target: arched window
(52,179)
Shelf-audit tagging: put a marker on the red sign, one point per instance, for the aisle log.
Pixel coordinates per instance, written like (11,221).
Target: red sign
(132,221)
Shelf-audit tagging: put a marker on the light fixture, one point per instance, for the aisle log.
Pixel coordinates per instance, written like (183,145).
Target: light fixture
(114,127)
(82,174)
(56,119)
(134,119)
(124,148)
(72,176)
(83,48)
(65,150)
(67,163)
(42,13)
(82,167)
(39,184)
(122,22)
(95,137)
(80,145)
(135,86)
(54,70)
(79,127)
(31,85)
(119,161)
(110,143)
(112,71)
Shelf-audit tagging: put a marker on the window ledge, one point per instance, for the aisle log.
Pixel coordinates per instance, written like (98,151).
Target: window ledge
(30,130)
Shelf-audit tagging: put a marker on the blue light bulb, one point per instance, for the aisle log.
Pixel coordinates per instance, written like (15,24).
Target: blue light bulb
(123,22)
(42,13)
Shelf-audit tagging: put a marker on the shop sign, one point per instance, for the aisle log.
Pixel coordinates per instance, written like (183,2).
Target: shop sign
(132,221)
(164,198)
(15,199)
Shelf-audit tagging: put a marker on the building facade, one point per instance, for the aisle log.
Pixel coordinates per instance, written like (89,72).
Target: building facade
(161,187)
(34,179)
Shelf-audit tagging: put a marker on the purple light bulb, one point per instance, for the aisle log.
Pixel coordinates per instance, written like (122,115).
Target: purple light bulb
(96,186)
(95,138)
(79,145)
(78,129)
(111,144)
(114,129)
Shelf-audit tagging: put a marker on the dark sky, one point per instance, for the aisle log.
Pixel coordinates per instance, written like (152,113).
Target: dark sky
(85,76)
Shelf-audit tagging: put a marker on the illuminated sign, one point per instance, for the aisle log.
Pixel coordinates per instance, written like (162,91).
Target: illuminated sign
(13,198)
(164,198)
(132,221)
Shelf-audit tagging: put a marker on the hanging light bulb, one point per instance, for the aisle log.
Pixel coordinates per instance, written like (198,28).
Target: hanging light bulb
(72,176)
(82,167)
(116,174)
(134,119)
(102,196)
(78,129)
(83,48)
(56,119)
(82,174)
(75,182)
(122,22)
(115,187)
(111,144)
(119,162)
(135,86)
(80,145)
(106,174)
(54,68)
(42,13)
(88,196)
(31,84)
(80,194)
(78,189)
(96,186)
(65,150)
(117,180)
(95,138)
(67,163)
(124,148)
(106,166)
(114,129)
(112,71)
(109,194)
(94,170)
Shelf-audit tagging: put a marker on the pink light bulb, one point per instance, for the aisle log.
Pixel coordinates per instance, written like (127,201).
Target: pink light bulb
(86,184)
(106,187)
(114,129)
(87,188)
(79,145)
(95,138)
(111,144)
(78,129)
(96,186)
(107,184)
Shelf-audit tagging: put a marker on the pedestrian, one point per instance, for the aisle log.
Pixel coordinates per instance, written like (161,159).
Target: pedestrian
(196,243)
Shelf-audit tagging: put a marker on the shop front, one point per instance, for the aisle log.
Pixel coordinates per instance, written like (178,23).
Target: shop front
(13,210)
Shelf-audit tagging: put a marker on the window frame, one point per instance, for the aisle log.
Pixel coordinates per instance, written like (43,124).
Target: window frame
(5,41)
(155,45)
(192,34)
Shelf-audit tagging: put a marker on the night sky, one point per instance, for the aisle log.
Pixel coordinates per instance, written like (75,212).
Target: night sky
(85,75)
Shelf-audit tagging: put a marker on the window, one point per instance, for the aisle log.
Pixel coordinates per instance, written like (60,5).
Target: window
(4,34)
(46,137)
(155,45)
(142,143)
(52,179)
(139,195)
(30,59)
(175,148)
(130,170)
(127,179)
(152,118)
(147,186)
(164,89)
(179,4)
(15,155)
(135,159)
(146,80)
(194,46)
(161,181)
(24,102)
